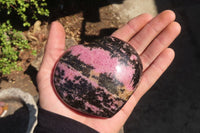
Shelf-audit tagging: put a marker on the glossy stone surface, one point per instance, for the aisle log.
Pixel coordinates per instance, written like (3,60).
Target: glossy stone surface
(98,78)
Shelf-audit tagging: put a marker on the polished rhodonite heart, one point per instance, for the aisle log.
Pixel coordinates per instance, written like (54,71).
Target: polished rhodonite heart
(98,78)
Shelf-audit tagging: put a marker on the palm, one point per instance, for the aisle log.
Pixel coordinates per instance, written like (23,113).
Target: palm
(151,42)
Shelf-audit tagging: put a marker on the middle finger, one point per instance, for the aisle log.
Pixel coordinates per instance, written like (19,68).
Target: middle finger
(141,40)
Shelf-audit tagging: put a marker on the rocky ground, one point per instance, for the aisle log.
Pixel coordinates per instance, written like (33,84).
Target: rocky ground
(172,104)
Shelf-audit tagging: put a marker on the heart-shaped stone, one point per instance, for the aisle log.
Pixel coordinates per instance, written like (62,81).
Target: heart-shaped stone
(98,78)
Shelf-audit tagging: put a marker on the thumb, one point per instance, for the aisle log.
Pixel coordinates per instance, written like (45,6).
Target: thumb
(55,45)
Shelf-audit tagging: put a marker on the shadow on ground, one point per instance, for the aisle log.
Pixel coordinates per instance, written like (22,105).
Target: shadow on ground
(172,105)
(90,10)
(17,122)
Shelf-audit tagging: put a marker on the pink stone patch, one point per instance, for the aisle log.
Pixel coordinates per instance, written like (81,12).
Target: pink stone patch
(98,78)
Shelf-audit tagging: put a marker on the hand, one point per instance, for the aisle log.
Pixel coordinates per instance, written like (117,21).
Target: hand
(149,36)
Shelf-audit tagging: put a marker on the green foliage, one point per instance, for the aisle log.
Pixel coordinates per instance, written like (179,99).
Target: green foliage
(11,43)
(34,52)
(11,40)
(24,7)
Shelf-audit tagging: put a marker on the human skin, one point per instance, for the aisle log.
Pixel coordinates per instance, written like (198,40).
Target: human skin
(150,36)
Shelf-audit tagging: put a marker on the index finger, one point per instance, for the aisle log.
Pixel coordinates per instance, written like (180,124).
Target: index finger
(126,32)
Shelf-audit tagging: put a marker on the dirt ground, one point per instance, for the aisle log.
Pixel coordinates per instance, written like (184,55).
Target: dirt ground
(171,105)
(78,29)
(81,26)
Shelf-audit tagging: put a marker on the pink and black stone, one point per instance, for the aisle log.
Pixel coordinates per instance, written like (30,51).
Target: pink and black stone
(98,78)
